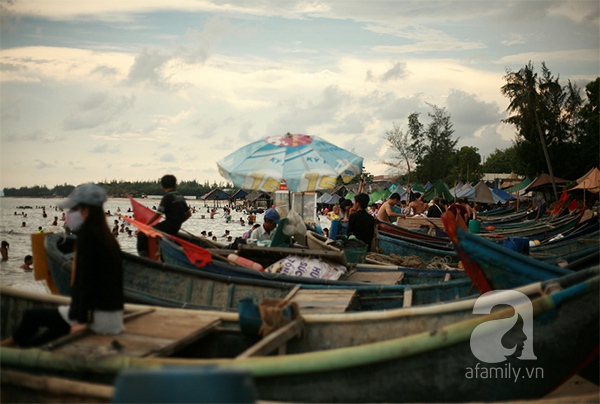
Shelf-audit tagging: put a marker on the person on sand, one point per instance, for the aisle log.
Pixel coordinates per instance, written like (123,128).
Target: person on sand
(175,209)
(97,280)
(386,213)
(267,230)
(27,262)
(361,224)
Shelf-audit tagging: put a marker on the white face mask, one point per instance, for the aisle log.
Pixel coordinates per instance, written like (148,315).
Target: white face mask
(74,220)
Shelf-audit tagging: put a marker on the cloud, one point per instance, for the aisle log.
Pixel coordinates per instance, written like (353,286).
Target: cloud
(167,158)
(98,109)
(148,68)
(397,71)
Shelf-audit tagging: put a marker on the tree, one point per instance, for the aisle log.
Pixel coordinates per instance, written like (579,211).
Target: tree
(502,161)
(467,164)
(402,155)
(435,146)
(527,103)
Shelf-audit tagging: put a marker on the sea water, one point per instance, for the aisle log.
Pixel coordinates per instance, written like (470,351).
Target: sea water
(16,211)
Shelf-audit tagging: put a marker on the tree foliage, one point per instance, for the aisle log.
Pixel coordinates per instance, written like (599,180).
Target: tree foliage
(403,155)
(116,189)
(549,115)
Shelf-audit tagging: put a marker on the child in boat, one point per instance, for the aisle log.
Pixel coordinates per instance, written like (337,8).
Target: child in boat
(97,278)
(175,209)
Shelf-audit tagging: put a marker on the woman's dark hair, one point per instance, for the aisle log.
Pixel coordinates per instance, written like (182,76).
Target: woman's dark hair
(97,219)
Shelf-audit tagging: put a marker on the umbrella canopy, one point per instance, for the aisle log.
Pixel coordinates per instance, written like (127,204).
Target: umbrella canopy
(306,163)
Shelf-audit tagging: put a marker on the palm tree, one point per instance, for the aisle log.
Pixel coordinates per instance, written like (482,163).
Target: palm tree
(525,101)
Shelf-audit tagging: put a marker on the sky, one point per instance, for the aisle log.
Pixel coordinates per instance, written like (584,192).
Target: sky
(130,90)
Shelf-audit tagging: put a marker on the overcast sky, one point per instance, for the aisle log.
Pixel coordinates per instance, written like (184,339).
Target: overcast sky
(131,90)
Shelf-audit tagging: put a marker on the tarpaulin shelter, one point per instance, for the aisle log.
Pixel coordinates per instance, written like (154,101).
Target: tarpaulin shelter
(502,194)
(512,180)
(518,187)
(418,188)
(438,188)
(589,182)
(543,180)
(480,193)
(462,191)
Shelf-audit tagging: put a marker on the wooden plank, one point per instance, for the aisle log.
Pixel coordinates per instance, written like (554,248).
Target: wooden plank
(324,301)
(155,334)
(382,278)
(274,340)
(85,330)
(408,296)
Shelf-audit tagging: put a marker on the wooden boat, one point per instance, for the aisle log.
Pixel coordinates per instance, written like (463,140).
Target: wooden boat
(173,254)
(391,244)
(493,267)
(152,282)
(419,354)
(410,233)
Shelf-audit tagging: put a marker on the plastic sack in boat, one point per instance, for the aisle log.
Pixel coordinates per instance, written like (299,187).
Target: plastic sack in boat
(305,267)
(295,225)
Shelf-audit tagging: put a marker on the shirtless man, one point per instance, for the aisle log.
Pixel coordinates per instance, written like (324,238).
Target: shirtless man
(386,212)
(418,207)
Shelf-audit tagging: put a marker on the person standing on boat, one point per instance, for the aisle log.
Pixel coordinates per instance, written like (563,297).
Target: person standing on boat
(96,278)
(267,230)
(175,209)
(361,224)
(386,213)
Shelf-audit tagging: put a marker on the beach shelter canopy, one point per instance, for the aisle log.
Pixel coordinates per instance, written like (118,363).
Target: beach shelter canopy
(511,180)
(463,191)
(397,188)
(480,193)
(418,188)
(215,195)
(502,194)
(590,182)
(239,194)
(543,180)
(349,195)
(521,185)
(258,196)
(439,188)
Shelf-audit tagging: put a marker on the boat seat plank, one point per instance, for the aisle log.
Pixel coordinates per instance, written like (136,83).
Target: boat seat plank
(417,222)
(380,278)
(274,340)
(155,334)
(325,301)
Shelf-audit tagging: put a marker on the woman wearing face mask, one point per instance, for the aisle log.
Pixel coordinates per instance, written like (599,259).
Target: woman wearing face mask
(97,278)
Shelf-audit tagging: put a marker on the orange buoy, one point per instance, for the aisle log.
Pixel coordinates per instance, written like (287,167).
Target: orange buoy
(245,262)
(490,228)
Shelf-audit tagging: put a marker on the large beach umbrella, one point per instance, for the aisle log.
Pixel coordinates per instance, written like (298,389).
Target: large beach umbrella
(306,163)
